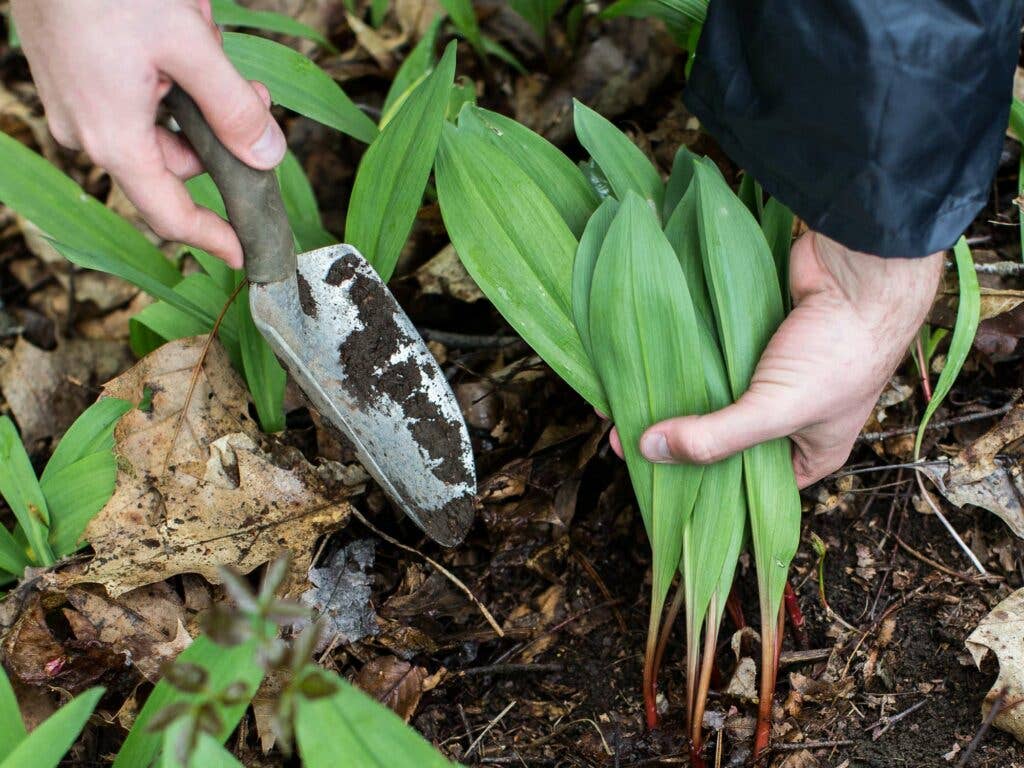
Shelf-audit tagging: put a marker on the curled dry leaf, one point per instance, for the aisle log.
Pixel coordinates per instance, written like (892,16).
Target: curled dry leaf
(193,499)
(1002,632)
(979,476)
(394,682)
(444,275)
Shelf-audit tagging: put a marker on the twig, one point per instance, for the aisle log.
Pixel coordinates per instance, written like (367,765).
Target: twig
(803,657)
(952,531)
(510,669)
(484,732)
(602,588)
(875,437)
(888,722)
(796,746)
(469,340)
(444,571)
(934,563)
(990,718)
(1001,268)
(922,368)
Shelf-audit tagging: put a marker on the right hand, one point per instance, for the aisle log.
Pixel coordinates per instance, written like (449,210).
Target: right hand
(103,66)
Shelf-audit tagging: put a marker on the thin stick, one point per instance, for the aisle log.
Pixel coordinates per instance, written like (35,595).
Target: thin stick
(922,367)
(993,713)
(444,571)
(602,588)
(876,437)
(934,563)
(494,722)
(952,531)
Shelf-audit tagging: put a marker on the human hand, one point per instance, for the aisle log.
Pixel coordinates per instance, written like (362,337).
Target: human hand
(853,319)
(102,68)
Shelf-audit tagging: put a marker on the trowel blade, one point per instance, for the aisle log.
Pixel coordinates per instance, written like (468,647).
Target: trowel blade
(359,359)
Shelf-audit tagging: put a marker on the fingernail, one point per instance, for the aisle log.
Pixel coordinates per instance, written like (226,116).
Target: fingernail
(654,447)
(270,148)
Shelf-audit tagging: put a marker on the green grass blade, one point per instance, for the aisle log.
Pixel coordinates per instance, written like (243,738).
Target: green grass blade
(464,18)
(647,352)
(224,665)
(231,14)
(46,746)
(538,13)
(417,65)
(622,161)
(583,267)
(968,313)
(297,83)
(263,373)
(20,488)
(79,478)
(12,729)
(301,206)
(53,202)
(393,173)
(509,236)
(352,728)
(560,179)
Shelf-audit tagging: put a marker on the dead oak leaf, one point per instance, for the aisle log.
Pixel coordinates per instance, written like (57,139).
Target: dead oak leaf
(195,491)
(1002,632)
(393,682)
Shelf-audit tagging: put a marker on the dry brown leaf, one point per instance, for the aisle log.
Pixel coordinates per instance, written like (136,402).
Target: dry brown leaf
(393,682)
(47,390)
(1002,632)
(375,44)
(214,497)
(415,16)
(444,275)
(979,476)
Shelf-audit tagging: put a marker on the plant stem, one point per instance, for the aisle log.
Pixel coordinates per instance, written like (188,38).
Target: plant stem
(707,665)
(666,628)
(796,617)
(735,608)
(649,681)
(771,646)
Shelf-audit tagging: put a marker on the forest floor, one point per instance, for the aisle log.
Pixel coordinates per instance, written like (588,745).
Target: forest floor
(558,553)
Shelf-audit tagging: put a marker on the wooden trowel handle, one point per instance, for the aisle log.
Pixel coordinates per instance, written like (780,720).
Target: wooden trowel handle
(252,198)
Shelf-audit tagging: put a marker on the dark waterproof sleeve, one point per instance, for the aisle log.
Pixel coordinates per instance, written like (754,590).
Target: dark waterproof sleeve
(879,122)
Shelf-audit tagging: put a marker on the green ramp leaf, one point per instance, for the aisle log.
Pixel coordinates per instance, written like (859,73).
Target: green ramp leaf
(12,729)
(622,161)
(297,83)
(46,746)
(583,267)
(231,14)
(21,491)
(559,178)
(393,173)
(517,248)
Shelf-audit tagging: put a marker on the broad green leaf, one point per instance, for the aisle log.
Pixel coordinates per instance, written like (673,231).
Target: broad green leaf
(53,202)
(263,373)
(79,478)
(12,729)
(301,206)
(350,728)
(46,746)
(583,267)
(21,491)
(393,173)
(417,65)
(224,665)
(777,225)
(682,232)
(747,305)
(232,14)
(517,248)
(191,308)
(378,10)
(647,352)
(680,16)
(462,94)
(297,83)
(625,166)
(12,555)
(464,18)
(968,313)
(752,195)
(208,753)
(678,181)
(560,179)
(1017,126)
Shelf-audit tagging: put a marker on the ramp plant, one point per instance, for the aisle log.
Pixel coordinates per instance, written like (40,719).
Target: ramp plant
(651,300)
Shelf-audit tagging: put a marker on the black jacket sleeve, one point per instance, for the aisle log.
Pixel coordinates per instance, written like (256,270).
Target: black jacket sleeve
(879,122)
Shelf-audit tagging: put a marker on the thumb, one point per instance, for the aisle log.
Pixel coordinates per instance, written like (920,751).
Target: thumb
(714,436)
(234,108)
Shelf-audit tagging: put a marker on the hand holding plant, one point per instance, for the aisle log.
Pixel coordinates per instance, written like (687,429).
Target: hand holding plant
(821,374)
(102,68)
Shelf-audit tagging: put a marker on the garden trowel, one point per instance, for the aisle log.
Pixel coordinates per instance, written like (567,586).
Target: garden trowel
(345,340)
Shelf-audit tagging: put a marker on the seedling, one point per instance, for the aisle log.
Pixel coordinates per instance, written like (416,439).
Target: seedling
(652,302)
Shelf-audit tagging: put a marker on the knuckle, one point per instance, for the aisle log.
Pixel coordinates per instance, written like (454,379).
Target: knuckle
(695,444)
(244,119)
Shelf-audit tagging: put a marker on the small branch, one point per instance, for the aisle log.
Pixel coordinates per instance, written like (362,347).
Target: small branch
(952,531)
(796,746)
(484,732)
(875,437)
(469,340)
(510,669)
(993,713)
(934,563)
(444,571)
(888,722)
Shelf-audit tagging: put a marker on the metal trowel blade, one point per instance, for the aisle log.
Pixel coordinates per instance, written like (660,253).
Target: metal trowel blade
(363,365)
